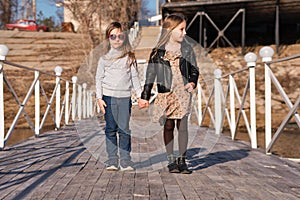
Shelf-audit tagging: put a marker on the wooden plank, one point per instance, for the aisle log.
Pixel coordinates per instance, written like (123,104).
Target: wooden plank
(100,186)
(187,189)
(156,186)
(59,166)
(141,185)
(34,174)
(127,189)
(114,185)
(90,178)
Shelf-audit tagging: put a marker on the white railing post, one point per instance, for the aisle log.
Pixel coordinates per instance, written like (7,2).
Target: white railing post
(84,103)
(218,101)
(67,103)
(199,90)
(79,102)
(2,123)
(58,71)
(87,103)
(266,53)
(137,25)
(3,52)
(131,36)
(37,103)
(92,104)
(136,29)
(232,107)
(251,58)
(74,80)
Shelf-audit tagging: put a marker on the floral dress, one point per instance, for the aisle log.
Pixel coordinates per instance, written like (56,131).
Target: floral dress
(177,103)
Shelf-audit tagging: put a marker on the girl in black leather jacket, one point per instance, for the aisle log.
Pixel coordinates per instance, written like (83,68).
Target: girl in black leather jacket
(172,64)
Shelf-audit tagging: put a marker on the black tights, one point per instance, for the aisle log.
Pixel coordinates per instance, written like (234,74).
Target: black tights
(181,125)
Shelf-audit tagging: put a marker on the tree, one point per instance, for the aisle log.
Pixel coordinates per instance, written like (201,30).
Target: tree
(93,15)
(26,9)
(47,21)
(144,13)
(7,8)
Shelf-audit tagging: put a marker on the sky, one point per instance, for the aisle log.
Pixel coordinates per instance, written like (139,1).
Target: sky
(49,9)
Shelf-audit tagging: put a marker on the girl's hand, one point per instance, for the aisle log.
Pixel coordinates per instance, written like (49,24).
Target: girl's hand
(143,103)
(189,87)
(101,104)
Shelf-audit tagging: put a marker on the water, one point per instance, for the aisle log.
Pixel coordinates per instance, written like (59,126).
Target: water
(287,144)
(20,134)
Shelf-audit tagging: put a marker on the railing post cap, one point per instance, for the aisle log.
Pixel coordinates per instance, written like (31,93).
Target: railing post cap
(218,73)
(3,51)
(84,85)
(250,58)
(266,53)
(58,70)
(74,79)
(141,61)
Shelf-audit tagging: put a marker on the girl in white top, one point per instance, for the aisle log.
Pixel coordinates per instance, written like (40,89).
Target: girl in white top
(116,76)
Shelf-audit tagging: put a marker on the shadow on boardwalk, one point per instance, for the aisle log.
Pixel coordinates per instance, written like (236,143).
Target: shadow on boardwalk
(148,150)
(220,157)
(197,162)
(60,165)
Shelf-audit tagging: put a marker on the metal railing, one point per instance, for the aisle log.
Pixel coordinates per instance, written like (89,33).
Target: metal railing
(224,103)
(133,32)
(81,105)
(269,79)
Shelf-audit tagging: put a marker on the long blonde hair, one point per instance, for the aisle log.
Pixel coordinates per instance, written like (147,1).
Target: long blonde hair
(126,47)
(169,24)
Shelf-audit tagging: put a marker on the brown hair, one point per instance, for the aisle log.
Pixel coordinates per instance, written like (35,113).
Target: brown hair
(169,24)
(126,47)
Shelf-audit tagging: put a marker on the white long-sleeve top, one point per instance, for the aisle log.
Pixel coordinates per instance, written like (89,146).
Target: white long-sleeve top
(114,77)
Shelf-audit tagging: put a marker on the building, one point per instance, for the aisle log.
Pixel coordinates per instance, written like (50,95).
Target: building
(94,15)
(239,22)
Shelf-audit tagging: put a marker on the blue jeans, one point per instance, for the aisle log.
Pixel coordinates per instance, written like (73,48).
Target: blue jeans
(117,116)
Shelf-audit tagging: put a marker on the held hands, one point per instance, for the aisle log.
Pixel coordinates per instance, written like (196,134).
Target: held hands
(101,104)
(189,87)
(143,103)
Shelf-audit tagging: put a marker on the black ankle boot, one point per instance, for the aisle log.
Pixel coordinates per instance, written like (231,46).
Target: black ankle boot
(183,166)
(172,166)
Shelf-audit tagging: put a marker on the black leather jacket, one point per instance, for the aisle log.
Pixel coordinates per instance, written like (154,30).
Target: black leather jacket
(161,70)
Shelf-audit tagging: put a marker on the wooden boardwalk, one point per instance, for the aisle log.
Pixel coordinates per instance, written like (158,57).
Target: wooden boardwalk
(68,164)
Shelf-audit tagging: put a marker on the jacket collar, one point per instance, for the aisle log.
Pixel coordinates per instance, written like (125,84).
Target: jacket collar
(185,48)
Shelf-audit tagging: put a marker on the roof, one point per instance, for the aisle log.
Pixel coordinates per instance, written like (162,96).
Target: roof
(258,12)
